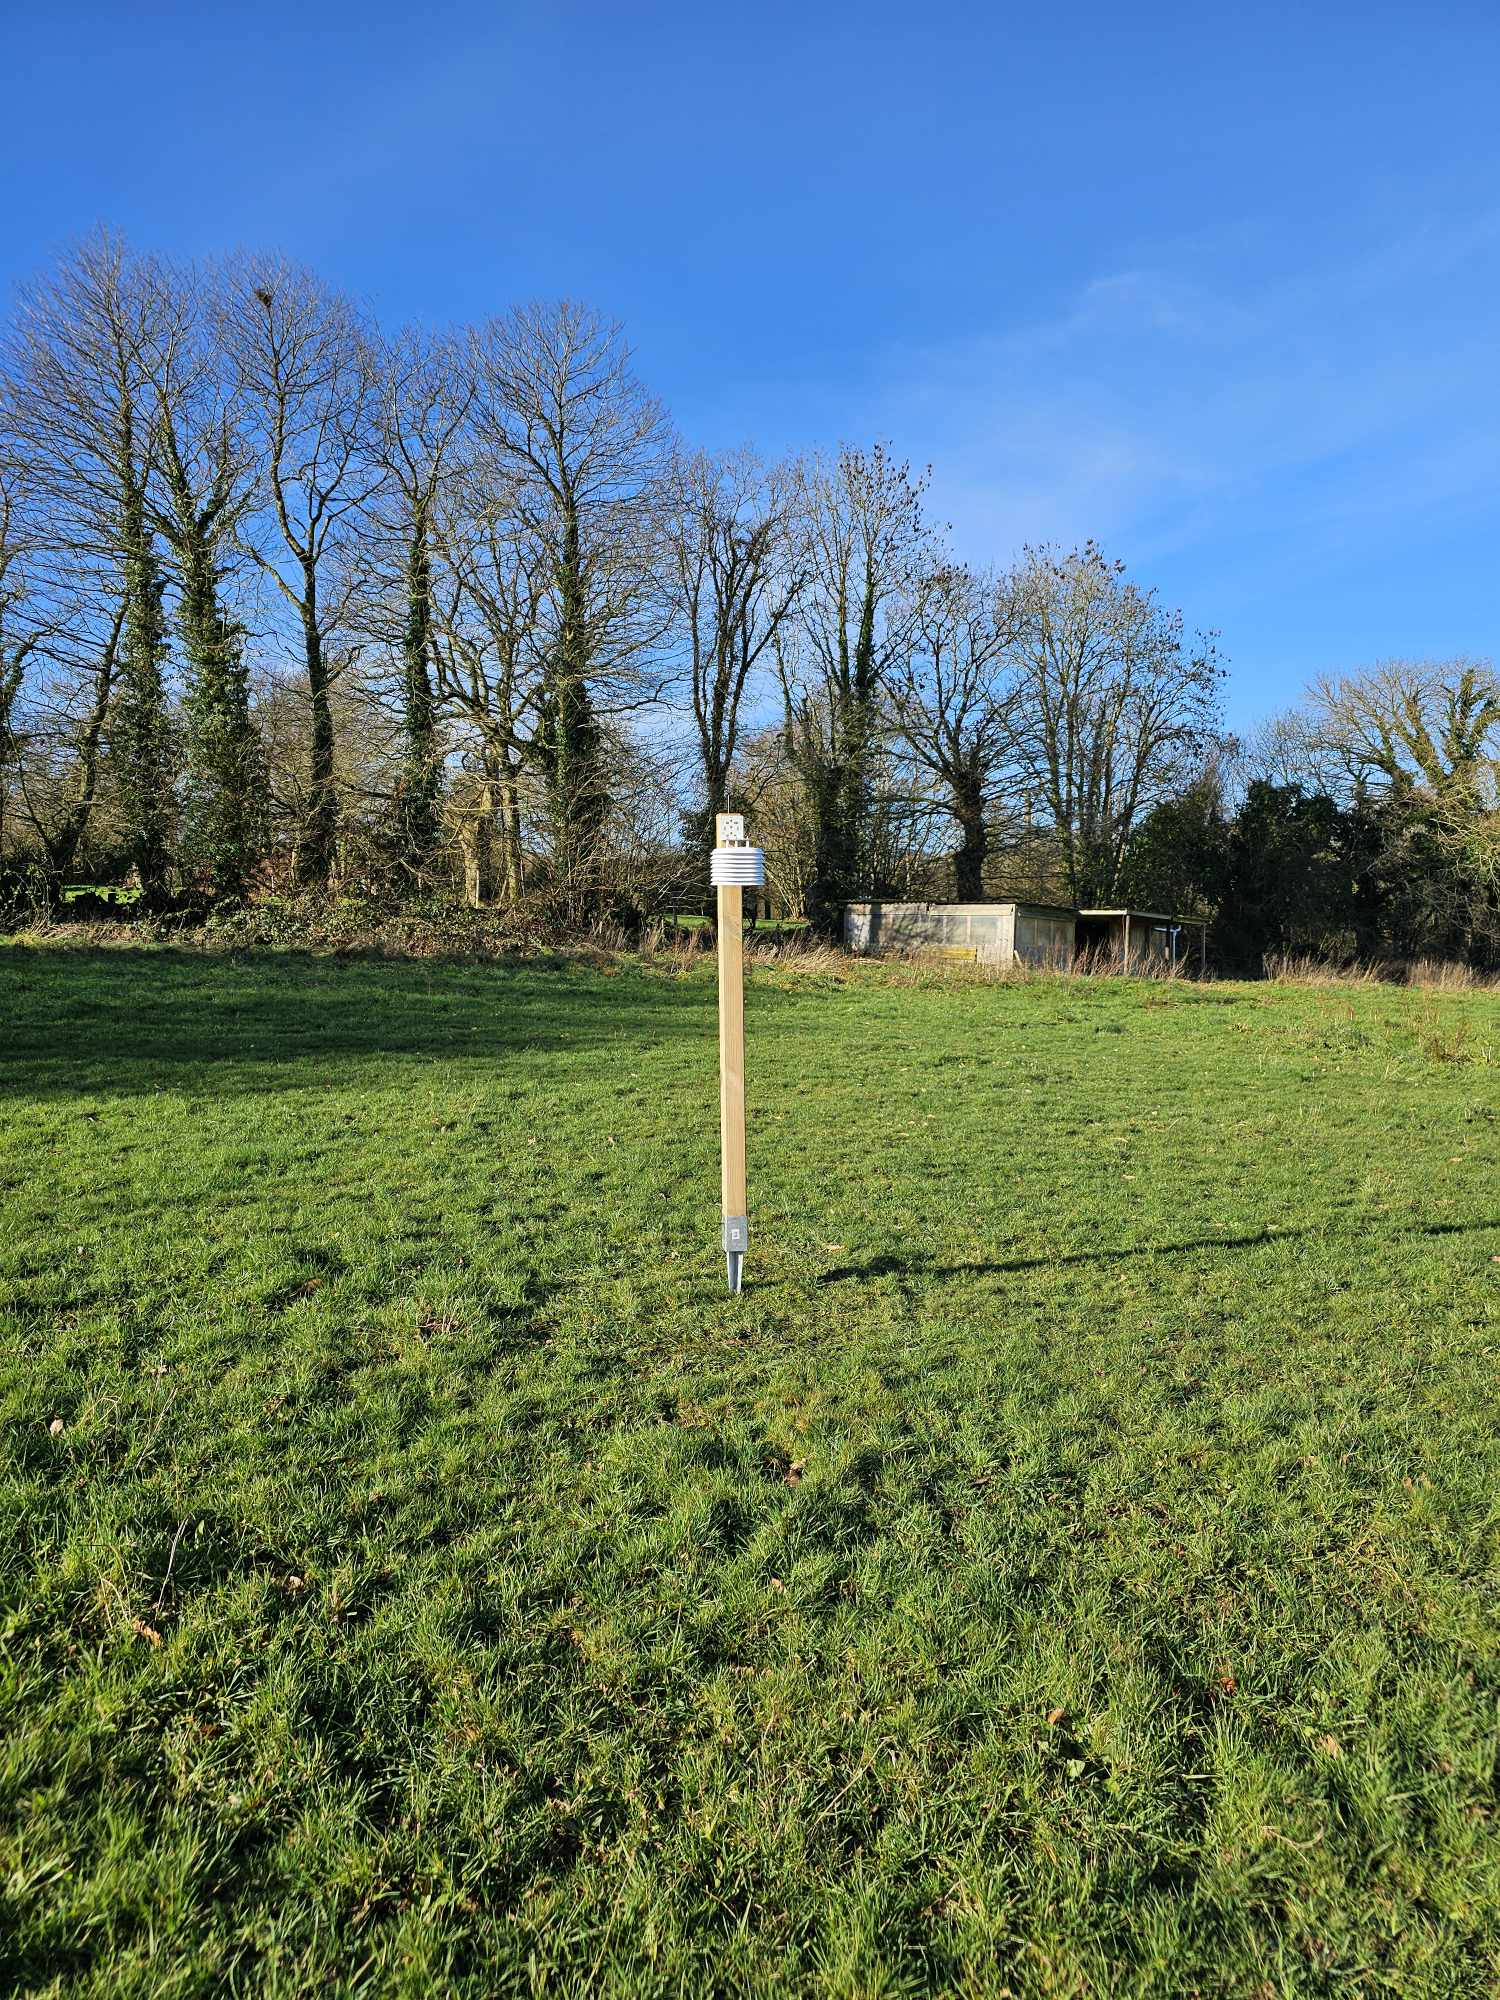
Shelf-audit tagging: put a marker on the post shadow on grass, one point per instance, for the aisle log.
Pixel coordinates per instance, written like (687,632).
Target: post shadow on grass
(891,1265)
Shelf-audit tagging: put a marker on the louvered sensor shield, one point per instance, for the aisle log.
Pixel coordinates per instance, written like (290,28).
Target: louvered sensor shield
(737,868)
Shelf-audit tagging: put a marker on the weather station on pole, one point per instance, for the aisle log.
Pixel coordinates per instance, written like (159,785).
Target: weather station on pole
(735,867)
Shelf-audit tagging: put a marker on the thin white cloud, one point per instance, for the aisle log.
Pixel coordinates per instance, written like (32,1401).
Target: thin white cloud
(1163,411)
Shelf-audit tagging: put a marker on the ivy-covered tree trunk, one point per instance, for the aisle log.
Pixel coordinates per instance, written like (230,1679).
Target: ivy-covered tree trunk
(838,786)
(573,777)
(973,847)
(421,778)
(226,788)
(863,541)
(576,792)
(140,733)
(224,804)
(318,846)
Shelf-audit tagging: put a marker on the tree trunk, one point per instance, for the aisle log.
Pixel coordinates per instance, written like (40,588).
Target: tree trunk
(974,842)
(422,776)
(574,779)
(62,846)
(225,805)
(838,788)
(700,830)
(139,733)
(315,854)
(9,747)
(512,860)
(477,839)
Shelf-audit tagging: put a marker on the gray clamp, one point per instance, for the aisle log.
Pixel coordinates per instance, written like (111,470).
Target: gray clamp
(736,1243)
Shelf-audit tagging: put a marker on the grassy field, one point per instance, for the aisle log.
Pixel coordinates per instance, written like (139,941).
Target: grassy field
(1069,1569)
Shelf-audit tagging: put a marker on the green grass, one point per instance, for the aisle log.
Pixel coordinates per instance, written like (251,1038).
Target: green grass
(1069,1569)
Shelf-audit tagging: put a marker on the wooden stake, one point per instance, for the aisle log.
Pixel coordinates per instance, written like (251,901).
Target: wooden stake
(734,1206)
(732,1048)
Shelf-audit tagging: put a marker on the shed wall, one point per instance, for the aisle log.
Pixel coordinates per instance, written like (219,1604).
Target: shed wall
(997,933)
(1044,937)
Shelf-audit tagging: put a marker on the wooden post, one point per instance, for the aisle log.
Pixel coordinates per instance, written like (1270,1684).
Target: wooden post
(732,1048)
(736,867)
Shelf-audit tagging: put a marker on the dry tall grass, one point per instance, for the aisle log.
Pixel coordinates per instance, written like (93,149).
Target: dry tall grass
(1432,974)
(935,968)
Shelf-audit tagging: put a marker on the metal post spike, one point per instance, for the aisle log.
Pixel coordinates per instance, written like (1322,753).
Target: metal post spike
(736,1243)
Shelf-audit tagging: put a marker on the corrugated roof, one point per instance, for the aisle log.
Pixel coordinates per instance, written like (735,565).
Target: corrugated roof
(1151,916)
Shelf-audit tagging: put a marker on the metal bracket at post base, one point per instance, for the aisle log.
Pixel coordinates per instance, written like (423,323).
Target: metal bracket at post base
(736,1243)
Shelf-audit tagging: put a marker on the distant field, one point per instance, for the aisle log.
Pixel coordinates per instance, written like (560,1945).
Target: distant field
(1069,1569)
(689,920)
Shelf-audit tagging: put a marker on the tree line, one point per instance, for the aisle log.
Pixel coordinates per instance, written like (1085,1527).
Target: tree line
(291,603)
(1362,825)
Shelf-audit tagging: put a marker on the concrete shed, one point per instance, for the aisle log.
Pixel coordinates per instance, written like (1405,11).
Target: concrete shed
(1134,938)
(995,933)
(1030,934)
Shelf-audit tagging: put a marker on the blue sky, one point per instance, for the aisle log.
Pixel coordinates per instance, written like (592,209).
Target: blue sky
(1217,285)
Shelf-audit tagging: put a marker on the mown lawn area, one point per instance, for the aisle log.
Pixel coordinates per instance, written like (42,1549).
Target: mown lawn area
(1069,1568)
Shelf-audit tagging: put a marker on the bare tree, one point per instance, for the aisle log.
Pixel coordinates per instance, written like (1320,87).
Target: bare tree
(26,621)
(639,863)
(307,371)
(202,486)
(772,786)
(1286,748)
(950,700)
(1114,706)
(62,614)
(737,572)
(80,366)
(425,398)
(579,449)
(864,547)
(490,632)
(1429,724)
